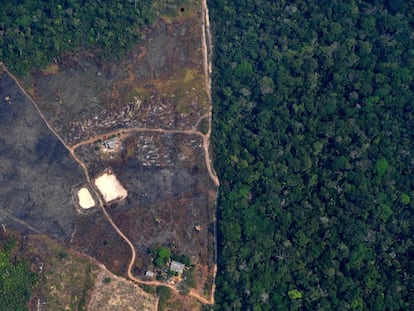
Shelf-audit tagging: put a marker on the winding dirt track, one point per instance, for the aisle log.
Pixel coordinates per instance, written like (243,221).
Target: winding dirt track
(205,138)
(206,47)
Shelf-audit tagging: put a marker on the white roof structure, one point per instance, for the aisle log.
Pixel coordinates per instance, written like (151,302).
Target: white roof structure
(177,266)
(149,274)
(110,143)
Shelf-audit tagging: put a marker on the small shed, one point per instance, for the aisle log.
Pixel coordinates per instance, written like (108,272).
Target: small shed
(149,274)
(110,143)
(176,266)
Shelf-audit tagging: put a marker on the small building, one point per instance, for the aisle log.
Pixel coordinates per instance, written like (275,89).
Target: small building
(149,274)
(176,266)
(110,143)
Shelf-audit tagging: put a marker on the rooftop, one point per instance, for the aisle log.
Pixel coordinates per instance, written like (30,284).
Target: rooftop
(110,143)
(177,266)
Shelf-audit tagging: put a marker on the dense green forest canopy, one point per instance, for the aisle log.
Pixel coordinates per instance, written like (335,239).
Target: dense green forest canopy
(313,136)
(33,33)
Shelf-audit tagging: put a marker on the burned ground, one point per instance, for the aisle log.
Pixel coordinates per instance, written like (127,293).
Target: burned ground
(159,84)
(169,193)
(94,236)
(155,99)
(37,173)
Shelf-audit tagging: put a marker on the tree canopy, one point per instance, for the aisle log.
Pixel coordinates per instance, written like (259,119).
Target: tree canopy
(33,33)
(313,139)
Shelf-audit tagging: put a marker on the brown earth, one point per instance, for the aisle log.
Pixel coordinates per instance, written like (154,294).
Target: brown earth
(158,100)
(66,279)
(179,302)
(112,293)
(69,280)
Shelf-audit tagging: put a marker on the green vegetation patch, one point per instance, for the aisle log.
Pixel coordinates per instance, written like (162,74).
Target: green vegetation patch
(33,33)
(405,199)
(165,294)
(381,167)
(163,255)
(294,294)
(16,279)
(384,212)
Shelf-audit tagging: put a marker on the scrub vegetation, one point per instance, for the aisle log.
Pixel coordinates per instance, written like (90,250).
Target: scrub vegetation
(16,278)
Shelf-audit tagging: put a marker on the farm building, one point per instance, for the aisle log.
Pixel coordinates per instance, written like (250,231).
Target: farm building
(110,143)
(176,266)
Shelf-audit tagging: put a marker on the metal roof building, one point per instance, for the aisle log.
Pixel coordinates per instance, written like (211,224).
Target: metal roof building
(177,267)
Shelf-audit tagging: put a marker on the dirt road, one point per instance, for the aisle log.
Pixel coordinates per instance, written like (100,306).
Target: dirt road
(204,137)
(206,46)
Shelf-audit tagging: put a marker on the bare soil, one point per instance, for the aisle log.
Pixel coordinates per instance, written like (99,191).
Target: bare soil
(179,302)
(66,279)
(169,194)
(86,200)
(112,293)
(69,280)
(110,187)
(160,85)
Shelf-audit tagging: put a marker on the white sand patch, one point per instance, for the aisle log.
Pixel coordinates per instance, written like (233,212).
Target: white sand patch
(85,198)
(110,187)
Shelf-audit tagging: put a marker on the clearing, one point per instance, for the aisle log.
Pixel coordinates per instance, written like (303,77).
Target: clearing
(110,187)
(147,118)
(85,198)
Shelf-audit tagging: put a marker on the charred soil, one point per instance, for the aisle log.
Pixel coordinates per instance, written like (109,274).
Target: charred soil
(156,105)
(170,194)
(159,84)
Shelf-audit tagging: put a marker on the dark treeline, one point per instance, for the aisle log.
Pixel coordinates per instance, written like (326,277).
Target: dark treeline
(313,136)
(33,32)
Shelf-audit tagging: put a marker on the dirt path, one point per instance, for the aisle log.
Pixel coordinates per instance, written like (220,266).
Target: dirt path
(207,50)
(206,46)
(205,138)
(10,215)
(72,149)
